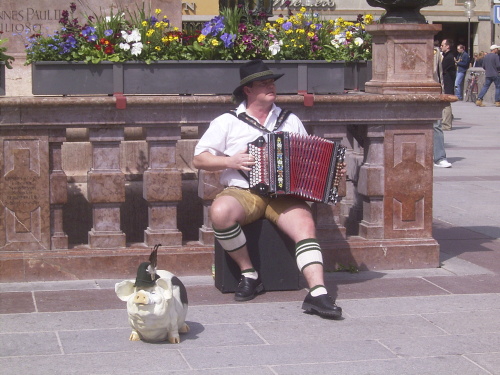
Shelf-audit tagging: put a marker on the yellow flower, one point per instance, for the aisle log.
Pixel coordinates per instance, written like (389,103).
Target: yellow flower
(176,29)
(144,23)
(157,11)
(368,19)
(301,31)
(164,39)
(289,31)
(201,38)
(150,32)
(312,26)
(310,34)
(215,42)
(280,21)
(303,10)
(157,48)
(348,34)
(158,24)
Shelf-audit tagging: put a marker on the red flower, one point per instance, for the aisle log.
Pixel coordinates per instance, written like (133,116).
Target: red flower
(109,50)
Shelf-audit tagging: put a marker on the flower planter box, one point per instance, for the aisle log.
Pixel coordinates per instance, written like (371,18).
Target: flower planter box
(2,78)
(71,78)
(357,74)
(187,77)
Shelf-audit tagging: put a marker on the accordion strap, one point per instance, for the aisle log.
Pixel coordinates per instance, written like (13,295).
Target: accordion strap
(254,123)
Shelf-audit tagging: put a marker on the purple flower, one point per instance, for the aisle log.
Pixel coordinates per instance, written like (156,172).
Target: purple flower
(242,28)
(228,39)
(287,26)
(108,32)
(214,26)
(88,30)
(207,29)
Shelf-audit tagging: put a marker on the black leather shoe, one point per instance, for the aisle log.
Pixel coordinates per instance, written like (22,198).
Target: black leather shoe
(248,289)
(322,305)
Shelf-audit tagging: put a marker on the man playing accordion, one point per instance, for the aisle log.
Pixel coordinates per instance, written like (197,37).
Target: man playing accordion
(224,147)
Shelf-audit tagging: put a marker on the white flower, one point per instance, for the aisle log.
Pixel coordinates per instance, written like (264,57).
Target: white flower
(358,41)
(275,48)
(135,36)
(124,46)
(340,39)
(136,48)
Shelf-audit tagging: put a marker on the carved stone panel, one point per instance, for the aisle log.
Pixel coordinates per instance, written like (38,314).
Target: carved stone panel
(408,181)
(24,194)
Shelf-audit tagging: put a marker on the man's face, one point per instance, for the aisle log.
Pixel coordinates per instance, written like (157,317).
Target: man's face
(460,49)
(262,90)
(444,47)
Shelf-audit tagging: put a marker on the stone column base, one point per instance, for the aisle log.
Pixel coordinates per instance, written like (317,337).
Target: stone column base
(163,237)
(106,240)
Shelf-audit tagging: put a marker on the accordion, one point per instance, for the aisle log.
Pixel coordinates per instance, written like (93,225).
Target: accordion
(304,166)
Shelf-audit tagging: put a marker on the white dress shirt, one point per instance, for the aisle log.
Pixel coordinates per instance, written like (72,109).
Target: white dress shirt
(227,135)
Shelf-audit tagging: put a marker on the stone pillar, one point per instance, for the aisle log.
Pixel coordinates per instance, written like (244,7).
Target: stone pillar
(408,178)
(208,188)
(24,191)
(162,187)
(58,190)
(403,57)
(371,184)
(106,188)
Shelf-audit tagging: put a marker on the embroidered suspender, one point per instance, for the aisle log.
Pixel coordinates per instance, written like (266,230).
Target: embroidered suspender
(252,122)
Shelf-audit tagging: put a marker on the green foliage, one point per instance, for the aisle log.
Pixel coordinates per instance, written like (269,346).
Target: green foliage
(7,59)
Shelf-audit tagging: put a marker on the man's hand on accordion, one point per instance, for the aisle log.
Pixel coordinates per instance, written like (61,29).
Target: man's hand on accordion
(241,160)
(343,169)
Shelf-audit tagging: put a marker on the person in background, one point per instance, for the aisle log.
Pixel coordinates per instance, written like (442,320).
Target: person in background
(462,60)
(491,66)
(439,151)
(449,72)
(478,62)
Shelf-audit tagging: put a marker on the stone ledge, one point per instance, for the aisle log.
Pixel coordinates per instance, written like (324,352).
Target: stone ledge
(193,259)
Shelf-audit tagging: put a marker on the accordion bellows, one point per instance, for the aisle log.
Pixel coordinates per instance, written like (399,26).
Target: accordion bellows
(304,166)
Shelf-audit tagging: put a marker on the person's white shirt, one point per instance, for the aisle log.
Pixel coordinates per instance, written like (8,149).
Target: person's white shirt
(227,135)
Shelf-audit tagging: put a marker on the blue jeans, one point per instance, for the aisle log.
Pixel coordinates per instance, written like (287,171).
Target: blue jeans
(487,83)
(459,80)
(439,152)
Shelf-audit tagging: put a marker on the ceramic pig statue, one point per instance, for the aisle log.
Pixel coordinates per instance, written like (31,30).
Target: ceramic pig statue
(156,303)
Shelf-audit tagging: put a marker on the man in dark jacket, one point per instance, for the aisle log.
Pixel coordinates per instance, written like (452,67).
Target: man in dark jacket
(449,75)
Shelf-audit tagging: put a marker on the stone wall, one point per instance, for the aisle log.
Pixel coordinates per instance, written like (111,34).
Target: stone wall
(383,221)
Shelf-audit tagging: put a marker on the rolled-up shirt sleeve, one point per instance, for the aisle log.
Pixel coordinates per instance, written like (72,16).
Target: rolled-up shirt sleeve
(214,139)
